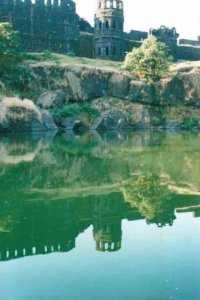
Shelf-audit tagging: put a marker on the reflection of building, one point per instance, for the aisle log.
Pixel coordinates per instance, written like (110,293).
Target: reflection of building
(108,234)
(52,226)
(107,222)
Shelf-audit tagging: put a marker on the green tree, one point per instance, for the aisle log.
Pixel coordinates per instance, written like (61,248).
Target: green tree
(150,62)
(10,50)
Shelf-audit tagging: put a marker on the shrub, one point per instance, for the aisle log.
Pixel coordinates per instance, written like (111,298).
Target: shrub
(150,62)
(47,54)
(83,111)
(190,123)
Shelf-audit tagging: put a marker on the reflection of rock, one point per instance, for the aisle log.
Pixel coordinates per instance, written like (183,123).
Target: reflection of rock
(51,99)
(18,149)
(111,120)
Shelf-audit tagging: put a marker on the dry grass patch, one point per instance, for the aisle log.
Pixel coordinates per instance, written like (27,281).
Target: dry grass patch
(15,109)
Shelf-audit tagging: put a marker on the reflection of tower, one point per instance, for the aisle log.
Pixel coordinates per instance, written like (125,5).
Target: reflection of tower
(107,232)
(109,34)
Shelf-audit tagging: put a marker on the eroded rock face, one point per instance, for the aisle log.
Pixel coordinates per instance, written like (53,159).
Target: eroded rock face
(51,99)
(111,120)
(85,83)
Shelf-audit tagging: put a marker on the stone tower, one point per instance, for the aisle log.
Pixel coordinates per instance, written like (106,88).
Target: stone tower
(109,30)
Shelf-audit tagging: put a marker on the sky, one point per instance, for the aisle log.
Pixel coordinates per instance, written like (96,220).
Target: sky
(145,14)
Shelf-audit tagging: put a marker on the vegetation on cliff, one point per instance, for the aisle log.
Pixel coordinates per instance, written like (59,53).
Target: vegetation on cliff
(10,50)
(150,62)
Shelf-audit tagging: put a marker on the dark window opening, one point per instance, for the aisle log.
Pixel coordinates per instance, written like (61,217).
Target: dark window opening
(107,51)
(100,25)
(120,26)
(99,51)
(107,24)
(114,25)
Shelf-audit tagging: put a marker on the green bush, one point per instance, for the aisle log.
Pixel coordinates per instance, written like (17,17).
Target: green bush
(10,49)
(150,62)
(84,111)
(190,123)
(47,54)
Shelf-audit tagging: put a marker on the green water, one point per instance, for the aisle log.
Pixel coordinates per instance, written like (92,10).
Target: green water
(111,216)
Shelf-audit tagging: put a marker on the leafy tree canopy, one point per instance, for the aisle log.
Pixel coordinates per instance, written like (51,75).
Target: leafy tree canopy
(10,50)
(149,62)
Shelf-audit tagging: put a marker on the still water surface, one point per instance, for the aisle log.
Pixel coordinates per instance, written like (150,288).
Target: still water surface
(111,216)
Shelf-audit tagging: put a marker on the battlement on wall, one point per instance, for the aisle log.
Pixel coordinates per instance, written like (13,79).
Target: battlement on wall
(189,42)
(184,50)
(51,25)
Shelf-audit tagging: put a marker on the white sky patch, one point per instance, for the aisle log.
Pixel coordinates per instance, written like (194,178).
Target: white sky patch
(145,14)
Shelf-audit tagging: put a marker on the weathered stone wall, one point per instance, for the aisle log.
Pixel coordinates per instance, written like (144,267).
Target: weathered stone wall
(188,52)
(189,42)
(130,44)
(54,25)
(136,35)
(42,26)
(84,45)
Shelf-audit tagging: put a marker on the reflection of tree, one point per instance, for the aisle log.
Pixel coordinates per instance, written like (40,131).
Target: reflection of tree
(151,196)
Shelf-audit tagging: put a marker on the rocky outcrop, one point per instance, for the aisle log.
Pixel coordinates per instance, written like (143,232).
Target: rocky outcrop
(78,83)
(51,99)
(122,101)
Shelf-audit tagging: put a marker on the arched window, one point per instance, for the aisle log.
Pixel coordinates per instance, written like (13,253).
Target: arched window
(107,24)
(108,4)
(121,6)
(114,4)
(100,24)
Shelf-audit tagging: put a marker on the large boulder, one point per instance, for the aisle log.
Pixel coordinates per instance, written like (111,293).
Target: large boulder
(119,85)
(113,119)
(142,92)
(51,99)
(19,116)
